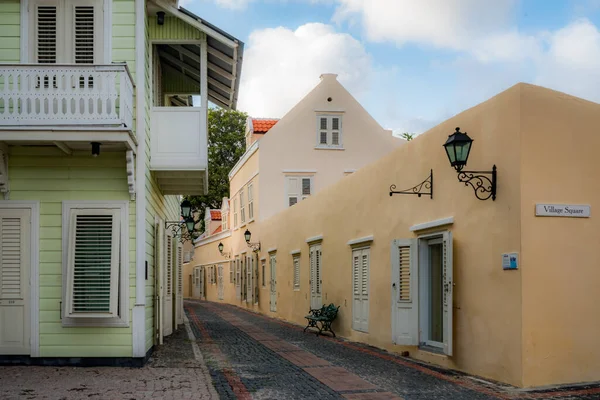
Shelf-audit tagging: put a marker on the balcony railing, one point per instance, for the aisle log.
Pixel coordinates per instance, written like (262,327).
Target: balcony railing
(54,96)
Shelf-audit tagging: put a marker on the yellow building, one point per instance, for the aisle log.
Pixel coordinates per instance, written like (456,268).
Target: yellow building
(427,274)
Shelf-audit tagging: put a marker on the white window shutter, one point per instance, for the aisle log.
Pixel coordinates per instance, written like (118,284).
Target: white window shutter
(249,282)
(46,23)
(405,312)
(169,282)
(93,263)
(312,270)
(255,278)
(364,287)
(296,261)
(318,280)
(83,38)
(448,291)
(356,290)
(179,269)
(292,190)
(11,258)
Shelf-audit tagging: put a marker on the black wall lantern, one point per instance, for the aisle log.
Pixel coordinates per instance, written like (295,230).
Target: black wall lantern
(254,246)
(160,17)
(226,255)
(187,221)
(458,147)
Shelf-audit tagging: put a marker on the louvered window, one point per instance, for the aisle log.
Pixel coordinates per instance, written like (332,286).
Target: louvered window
(292,201)
(263,268)
(404,273)
(46,38)
(242,207)
(180,270)
(230,271)
(250,202)
(84,34)
(93,263)
(169,280)
(67,31)
(305,186)
(235,213)
(360,289)
(329,130)
(296,262)
(11,273)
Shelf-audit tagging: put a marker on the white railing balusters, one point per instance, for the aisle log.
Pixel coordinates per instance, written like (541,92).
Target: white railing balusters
(66,95)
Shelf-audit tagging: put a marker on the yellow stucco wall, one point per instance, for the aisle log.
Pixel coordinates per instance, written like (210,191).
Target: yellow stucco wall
(529,327)
(560,259)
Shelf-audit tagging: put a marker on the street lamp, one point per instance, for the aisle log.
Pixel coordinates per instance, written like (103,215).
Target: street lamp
(458,147)
(226,255)
(254,246)
(187,221)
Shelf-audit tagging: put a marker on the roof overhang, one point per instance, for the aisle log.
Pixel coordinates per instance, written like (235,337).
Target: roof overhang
(225,55)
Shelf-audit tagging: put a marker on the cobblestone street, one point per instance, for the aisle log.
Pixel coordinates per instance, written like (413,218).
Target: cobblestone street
(242,355)
(250,356)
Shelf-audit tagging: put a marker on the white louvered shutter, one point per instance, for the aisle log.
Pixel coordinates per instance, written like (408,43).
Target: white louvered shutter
(318,280)
(249,283)
(46,32)
(169,266)
(11,259)
(364,289)
(255,277)
(83,38)
(356,291)
(230,271)
(179,269)
(447,266)
(405,314)
(93,263)
(296,272)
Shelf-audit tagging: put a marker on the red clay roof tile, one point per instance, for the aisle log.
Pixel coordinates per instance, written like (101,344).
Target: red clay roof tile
(219,229)
(215,215)
(263,125)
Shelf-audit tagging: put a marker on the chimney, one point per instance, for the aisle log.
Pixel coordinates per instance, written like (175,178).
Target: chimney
(328,77)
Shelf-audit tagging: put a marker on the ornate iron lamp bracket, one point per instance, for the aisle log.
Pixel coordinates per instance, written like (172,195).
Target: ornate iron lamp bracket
(177,230)
(226,254)
(254,246)
(419,190)
(483,186)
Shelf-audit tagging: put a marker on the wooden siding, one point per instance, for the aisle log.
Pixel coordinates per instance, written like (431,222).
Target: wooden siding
(48,175)
(10,25)
(173,28)
(165,207)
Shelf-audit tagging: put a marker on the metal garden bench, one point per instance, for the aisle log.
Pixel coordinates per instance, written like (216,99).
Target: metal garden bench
(321,318)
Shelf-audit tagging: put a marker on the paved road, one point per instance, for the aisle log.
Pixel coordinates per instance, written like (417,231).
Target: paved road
(254,357)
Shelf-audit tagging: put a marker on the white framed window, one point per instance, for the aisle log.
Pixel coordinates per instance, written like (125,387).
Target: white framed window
(67,31)
(250,202)
(95,264)
(297,188)
(235,212)
(231,271)
(242,207)
(224,217)
(296,263)
(329,131)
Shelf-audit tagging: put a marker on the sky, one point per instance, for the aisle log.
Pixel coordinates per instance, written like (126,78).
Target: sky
(411,63)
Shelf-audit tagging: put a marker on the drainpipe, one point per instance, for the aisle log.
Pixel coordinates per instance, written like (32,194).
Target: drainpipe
(139,308)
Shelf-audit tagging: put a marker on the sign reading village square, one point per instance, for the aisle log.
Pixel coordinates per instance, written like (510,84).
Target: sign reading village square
(562,210)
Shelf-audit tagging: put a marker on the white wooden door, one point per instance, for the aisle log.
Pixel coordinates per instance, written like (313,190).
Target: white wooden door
(168,287)
(316,281)
(179,297)
(360,289)
(273,267)
(220,281)
(15,243)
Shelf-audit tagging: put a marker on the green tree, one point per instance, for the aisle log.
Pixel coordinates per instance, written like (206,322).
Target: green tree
(226,145)
(407,136)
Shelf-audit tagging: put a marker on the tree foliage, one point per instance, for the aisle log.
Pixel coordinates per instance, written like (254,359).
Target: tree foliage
(407,136)
(226,145)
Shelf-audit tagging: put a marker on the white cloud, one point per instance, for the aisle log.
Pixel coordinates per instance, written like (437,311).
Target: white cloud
(448,24)
(281,66)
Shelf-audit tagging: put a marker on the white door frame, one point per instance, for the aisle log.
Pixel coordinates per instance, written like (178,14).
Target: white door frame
(34,273)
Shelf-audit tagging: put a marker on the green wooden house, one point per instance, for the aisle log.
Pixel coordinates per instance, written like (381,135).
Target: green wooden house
(103,126)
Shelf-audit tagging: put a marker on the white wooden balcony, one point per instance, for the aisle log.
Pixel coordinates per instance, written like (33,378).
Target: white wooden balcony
(53,99)
(179,149)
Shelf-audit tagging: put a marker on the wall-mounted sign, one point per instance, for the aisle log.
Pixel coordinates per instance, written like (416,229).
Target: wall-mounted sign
(562,210)
(510,261)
